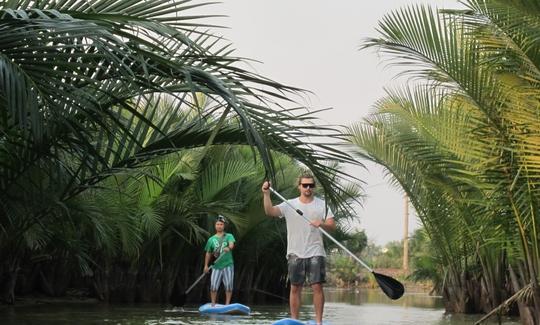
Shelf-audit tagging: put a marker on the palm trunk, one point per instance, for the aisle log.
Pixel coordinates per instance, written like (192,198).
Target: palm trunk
(8,280)
(526,315)
(100,283)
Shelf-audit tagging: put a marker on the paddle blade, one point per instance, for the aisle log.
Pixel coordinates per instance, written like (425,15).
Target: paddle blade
(390,286)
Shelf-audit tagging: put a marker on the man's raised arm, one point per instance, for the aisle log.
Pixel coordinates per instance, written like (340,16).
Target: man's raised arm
(269,209)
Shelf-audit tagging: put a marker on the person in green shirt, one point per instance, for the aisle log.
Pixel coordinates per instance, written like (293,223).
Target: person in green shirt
(220,246)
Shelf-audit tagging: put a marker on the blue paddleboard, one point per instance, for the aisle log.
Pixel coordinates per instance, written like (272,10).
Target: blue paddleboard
(231,309)
(290,321)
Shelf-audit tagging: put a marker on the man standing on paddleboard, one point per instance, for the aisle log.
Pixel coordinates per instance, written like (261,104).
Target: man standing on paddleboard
(306,257)
(221,243)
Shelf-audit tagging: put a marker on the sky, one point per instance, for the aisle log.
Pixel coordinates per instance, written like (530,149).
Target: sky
(314,45)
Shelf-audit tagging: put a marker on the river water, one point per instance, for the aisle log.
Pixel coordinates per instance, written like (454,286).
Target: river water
(343,307)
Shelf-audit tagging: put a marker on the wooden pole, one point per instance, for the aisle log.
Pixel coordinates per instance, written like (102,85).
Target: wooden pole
(406,234)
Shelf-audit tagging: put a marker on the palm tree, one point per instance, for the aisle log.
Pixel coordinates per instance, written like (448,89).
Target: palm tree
(140,235)
(463,143)
(81,88)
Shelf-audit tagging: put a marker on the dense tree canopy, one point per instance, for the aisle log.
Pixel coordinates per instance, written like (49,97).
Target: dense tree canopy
(100,97)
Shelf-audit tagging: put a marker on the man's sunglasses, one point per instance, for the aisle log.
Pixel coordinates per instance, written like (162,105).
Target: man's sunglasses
(308,185)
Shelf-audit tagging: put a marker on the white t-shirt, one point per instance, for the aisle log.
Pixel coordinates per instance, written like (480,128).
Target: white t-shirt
(303,239)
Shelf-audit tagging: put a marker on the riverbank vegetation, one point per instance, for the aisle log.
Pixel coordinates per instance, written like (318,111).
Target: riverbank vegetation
(461,139)
(126,126)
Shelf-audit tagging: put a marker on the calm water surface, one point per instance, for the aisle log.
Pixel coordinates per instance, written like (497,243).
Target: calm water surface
(343,307)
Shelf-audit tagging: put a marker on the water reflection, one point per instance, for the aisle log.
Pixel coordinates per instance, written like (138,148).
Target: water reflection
(343,307)
(371,306)
(375,296)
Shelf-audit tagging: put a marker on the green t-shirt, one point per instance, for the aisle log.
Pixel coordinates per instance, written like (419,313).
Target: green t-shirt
(212,247)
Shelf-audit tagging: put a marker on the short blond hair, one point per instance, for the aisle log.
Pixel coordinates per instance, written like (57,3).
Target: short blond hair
(305,174)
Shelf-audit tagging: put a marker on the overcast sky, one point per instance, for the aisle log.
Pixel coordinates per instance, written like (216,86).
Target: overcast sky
(313,44)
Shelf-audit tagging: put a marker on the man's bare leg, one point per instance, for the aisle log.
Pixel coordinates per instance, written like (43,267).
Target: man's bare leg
(294,300)
(228,296)
(318,301)
(213,297)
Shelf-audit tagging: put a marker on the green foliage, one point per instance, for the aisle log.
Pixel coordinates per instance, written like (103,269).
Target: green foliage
(463,142)
(388,256)
(344,268)
(92,95)
(356,242)
(424,264)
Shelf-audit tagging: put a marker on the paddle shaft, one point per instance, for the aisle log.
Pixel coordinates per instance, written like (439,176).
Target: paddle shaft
(322,230)
(202,275)
(195,283)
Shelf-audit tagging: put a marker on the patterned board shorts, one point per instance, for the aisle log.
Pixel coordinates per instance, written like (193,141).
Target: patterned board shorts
(312,269)
(225,275)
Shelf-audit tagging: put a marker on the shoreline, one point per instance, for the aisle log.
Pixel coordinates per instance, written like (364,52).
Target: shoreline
(37,299)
